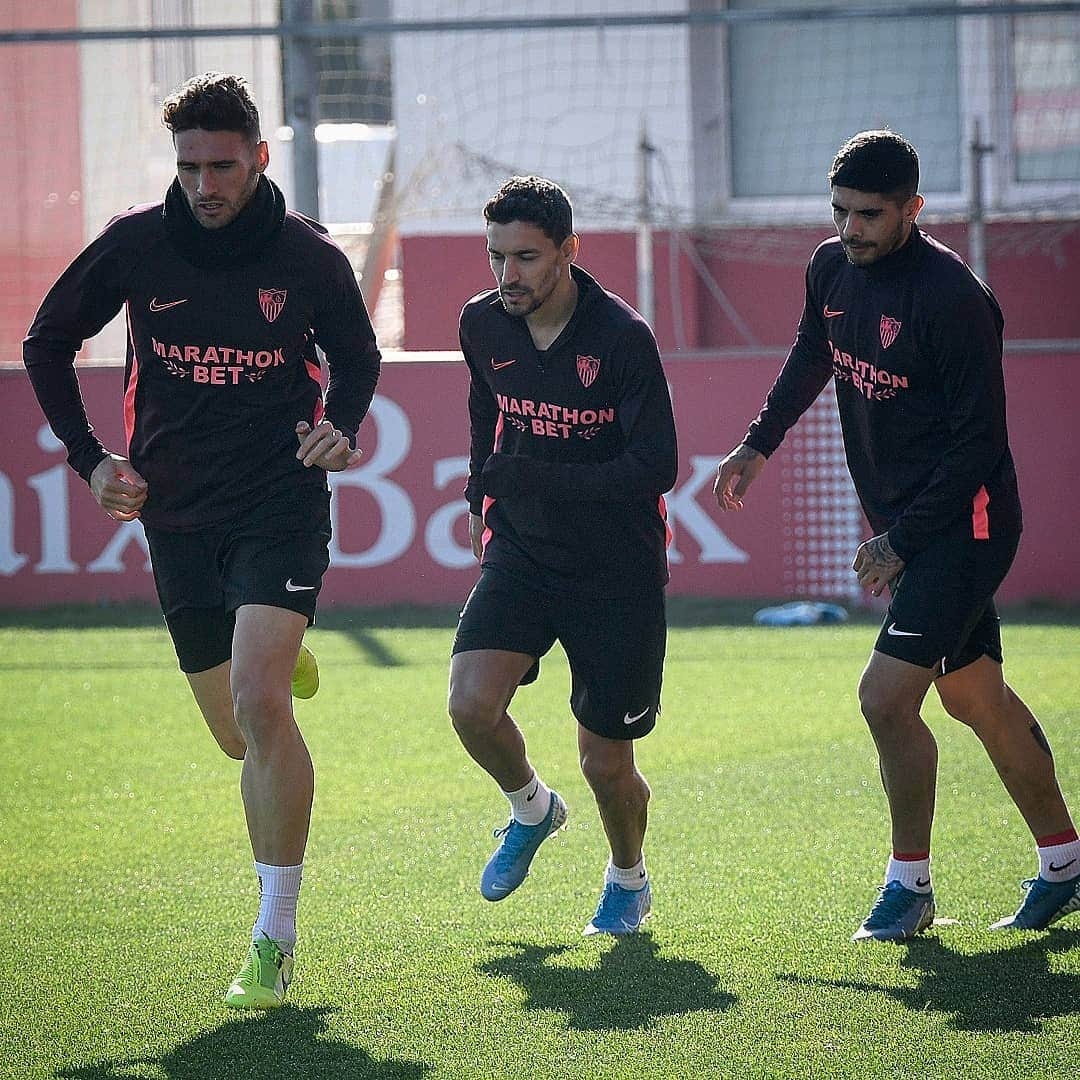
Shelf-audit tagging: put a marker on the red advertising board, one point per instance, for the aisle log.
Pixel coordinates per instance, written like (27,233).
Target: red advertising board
(400,519)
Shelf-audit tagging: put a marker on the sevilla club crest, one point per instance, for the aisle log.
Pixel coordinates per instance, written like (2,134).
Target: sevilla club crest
(273,300)
(890,327)
(588,367)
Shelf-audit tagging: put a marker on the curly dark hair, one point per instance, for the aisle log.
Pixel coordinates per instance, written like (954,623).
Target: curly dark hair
(535,201)
(212,102)
(881,162)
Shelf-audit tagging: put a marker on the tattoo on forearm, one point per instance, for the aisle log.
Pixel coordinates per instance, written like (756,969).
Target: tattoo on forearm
(743,453)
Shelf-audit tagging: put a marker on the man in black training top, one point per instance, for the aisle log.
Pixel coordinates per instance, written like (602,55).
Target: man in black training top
(572,448)
(913,340)
(229,439)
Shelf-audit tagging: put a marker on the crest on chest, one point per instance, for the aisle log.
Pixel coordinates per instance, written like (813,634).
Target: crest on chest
(890,327)
(588,367)
(272,301)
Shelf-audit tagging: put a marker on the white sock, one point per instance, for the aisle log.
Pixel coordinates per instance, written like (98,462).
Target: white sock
(1060,862)
(913,874)
(530,804)
(633,878)
(279,886)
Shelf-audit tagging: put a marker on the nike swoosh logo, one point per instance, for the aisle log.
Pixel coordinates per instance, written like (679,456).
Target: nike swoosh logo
(893,632)
(290,587)
(502,363)
(831,314)
(1057,869)
(155,306)
(529,798)
(921,884)
(628,719)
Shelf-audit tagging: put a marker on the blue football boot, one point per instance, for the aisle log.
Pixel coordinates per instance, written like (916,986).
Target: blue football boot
(620,911)
(509,866)
(1045,903)
(899,914)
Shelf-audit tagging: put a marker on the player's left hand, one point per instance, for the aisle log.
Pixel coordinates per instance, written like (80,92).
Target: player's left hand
(876,564)
(325,447)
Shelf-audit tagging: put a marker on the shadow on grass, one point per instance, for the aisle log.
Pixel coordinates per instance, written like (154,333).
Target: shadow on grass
(363,625)
(632,987)
(1012,990)
(360,625)
(282,1043)
(683,612)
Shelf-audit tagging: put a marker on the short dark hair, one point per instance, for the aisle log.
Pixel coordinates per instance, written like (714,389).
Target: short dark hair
(212,102)
(882,162)
(536,201)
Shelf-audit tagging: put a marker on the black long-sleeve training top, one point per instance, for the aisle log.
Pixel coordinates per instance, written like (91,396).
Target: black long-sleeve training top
(571,448)
(221,358)
(914,342)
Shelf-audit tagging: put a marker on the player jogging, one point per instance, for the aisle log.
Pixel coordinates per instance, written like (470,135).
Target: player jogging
(572,447)
(913,341)
(229,439)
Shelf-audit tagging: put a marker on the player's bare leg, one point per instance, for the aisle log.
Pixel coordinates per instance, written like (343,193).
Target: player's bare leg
(482,682)
(891,693)
(276,783)
(622,797)
(213,695)
(277,780)
(978,696)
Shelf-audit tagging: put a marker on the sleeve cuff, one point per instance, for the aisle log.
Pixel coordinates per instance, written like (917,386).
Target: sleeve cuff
(900,545)
(754,445)
(85,461)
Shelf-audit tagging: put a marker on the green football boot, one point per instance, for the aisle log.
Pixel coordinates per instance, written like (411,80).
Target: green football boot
(262,981)
(305,676)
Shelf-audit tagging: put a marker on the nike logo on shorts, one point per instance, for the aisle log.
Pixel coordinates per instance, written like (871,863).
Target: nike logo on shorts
(628,719)
(893,632)
(290,587)
(831,314)
(501,364)
(155,306)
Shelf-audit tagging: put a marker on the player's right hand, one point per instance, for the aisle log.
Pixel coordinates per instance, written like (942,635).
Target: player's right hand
(735,474)
(325,446)
(118,488)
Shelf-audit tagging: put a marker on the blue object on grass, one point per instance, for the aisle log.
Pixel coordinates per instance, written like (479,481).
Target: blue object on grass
(801,613)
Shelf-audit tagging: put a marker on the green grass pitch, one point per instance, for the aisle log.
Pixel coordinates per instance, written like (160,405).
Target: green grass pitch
(126,886)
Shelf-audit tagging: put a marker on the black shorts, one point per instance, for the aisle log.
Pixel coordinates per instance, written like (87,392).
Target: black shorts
(615,647)
(202,577)
(942,610)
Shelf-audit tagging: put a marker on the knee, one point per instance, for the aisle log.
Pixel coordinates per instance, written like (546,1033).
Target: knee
(961,708)
(260,714)
(606,772)
(232,746)
(221,720)
(881,709)
(975,710)
(472,712)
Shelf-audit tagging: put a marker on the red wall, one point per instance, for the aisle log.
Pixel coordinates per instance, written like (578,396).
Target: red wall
(1034,268)
(401,518)
(41,215)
